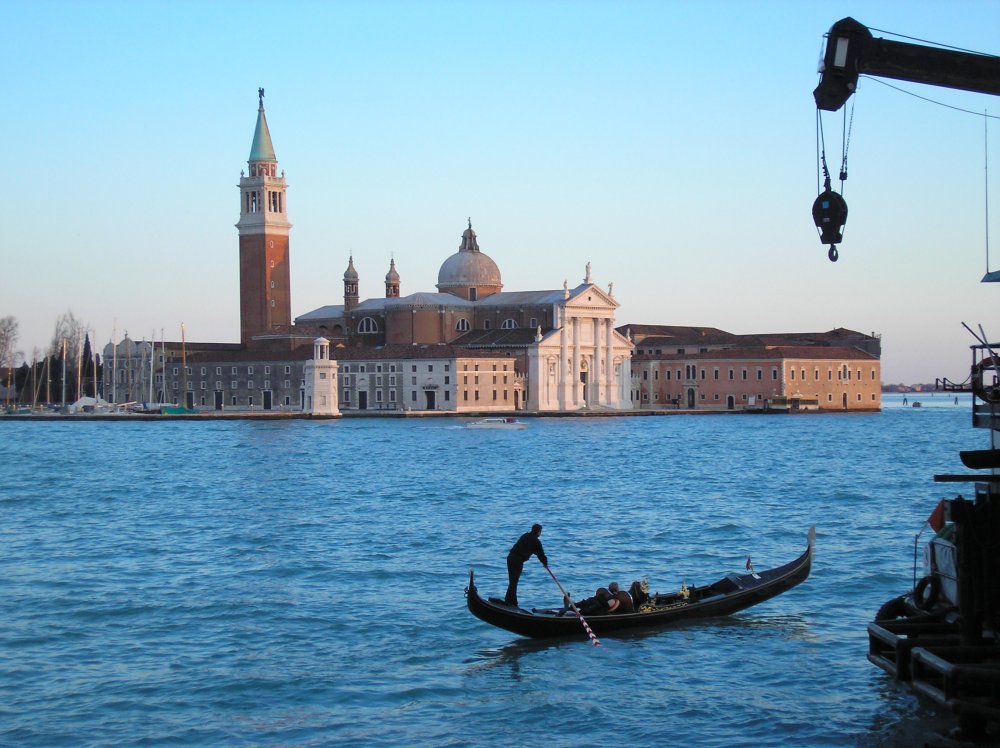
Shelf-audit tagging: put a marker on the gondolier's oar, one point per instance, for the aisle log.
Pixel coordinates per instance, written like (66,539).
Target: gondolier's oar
(567,598)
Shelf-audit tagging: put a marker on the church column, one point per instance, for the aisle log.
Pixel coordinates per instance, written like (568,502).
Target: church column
(562,373)
(609,363)
(576,362)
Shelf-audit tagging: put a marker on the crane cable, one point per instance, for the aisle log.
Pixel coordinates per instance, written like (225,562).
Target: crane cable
(847,129)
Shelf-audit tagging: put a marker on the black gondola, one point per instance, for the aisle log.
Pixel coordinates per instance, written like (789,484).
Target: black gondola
(730,594)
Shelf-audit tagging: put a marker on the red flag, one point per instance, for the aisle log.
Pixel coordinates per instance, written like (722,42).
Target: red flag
(936,520)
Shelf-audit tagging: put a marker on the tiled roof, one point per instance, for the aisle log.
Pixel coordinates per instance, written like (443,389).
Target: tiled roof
(770,353)
(517,338)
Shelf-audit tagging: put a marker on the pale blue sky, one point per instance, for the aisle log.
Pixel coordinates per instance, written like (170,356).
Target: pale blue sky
(672,145)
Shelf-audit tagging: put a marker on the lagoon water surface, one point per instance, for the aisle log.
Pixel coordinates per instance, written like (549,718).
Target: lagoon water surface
(301,583)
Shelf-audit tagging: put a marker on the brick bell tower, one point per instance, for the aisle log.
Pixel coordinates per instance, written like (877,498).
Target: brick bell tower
(265,287)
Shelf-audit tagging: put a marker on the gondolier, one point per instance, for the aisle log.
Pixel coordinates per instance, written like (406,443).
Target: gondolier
(527,545)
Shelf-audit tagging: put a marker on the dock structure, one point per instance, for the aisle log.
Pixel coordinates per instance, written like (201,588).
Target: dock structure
(943,637)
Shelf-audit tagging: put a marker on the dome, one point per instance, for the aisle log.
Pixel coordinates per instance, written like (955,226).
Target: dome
(350,274)
(469,268)
(392,276)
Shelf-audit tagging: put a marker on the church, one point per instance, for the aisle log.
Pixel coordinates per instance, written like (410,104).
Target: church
(468,345)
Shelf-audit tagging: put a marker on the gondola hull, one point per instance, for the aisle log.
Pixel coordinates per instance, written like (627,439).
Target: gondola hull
(724,597)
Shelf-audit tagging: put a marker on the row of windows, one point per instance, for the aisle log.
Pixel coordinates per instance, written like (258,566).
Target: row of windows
(691,372)
(235,385)
(369,325)
(218,370)
(674,398)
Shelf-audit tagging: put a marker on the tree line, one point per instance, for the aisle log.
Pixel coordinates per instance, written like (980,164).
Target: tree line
(65,372)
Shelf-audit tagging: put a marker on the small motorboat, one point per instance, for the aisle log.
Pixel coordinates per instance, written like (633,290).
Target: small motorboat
(728,595)
(497,423)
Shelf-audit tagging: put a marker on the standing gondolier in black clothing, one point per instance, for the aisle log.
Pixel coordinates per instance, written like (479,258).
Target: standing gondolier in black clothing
(527,545)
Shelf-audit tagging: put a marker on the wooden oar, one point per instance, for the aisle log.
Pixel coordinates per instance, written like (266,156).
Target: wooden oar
(567,598)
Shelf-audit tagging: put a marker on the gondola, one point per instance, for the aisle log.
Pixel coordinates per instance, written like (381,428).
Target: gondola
(728,595)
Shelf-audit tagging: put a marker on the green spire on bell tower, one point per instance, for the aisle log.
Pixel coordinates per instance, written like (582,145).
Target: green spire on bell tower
(262,149)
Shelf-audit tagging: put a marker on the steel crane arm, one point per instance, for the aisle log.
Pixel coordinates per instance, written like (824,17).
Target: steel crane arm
(851,50)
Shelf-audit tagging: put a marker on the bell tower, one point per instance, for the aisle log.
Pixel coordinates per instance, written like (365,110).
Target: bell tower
(265,286)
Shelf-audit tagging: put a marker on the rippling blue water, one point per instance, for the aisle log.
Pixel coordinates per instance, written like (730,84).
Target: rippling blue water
(301,582)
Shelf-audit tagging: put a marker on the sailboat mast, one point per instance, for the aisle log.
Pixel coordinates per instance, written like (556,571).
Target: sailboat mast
(64,372)
(152,355)
(184,364)
(114,364)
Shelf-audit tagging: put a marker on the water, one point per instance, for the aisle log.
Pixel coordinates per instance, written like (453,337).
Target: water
(301,583)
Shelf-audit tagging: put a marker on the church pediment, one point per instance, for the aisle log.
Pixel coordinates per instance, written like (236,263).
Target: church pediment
(590,296)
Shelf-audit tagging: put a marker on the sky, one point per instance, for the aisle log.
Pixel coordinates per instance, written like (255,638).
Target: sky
(671,145)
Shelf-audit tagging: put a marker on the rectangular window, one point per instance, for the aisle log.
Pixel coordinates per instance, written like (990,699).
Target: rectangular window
(250,384)
(743,375)
(392,380)
(447,367)
(792,372)
(494,395)
(477,394)
(346,398)
(267,384)
(392,396)
(413,396)
(760,374)
(378,380)
(715,373)
(267,370)
(414,382)
(414,368)
(218,371)
(465,395)
(234,370)
(203,386)
(668,374)
(378,396)
(233,383)
(378,367)
(774,374)
(447,396)
(234,400)
(218,385)
(250,370)
(732,375)
(288,370)
(447,380)
(286,384)
(430,367)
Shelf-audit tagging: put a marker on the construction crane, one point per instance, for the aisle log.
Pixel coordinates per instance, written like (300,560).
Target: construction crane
(851,50)
(943,636)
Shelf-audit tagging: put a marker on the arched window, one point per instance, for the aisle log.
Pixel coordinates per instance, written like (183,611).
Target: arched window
(509,324)
(367,324)
(463,325)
